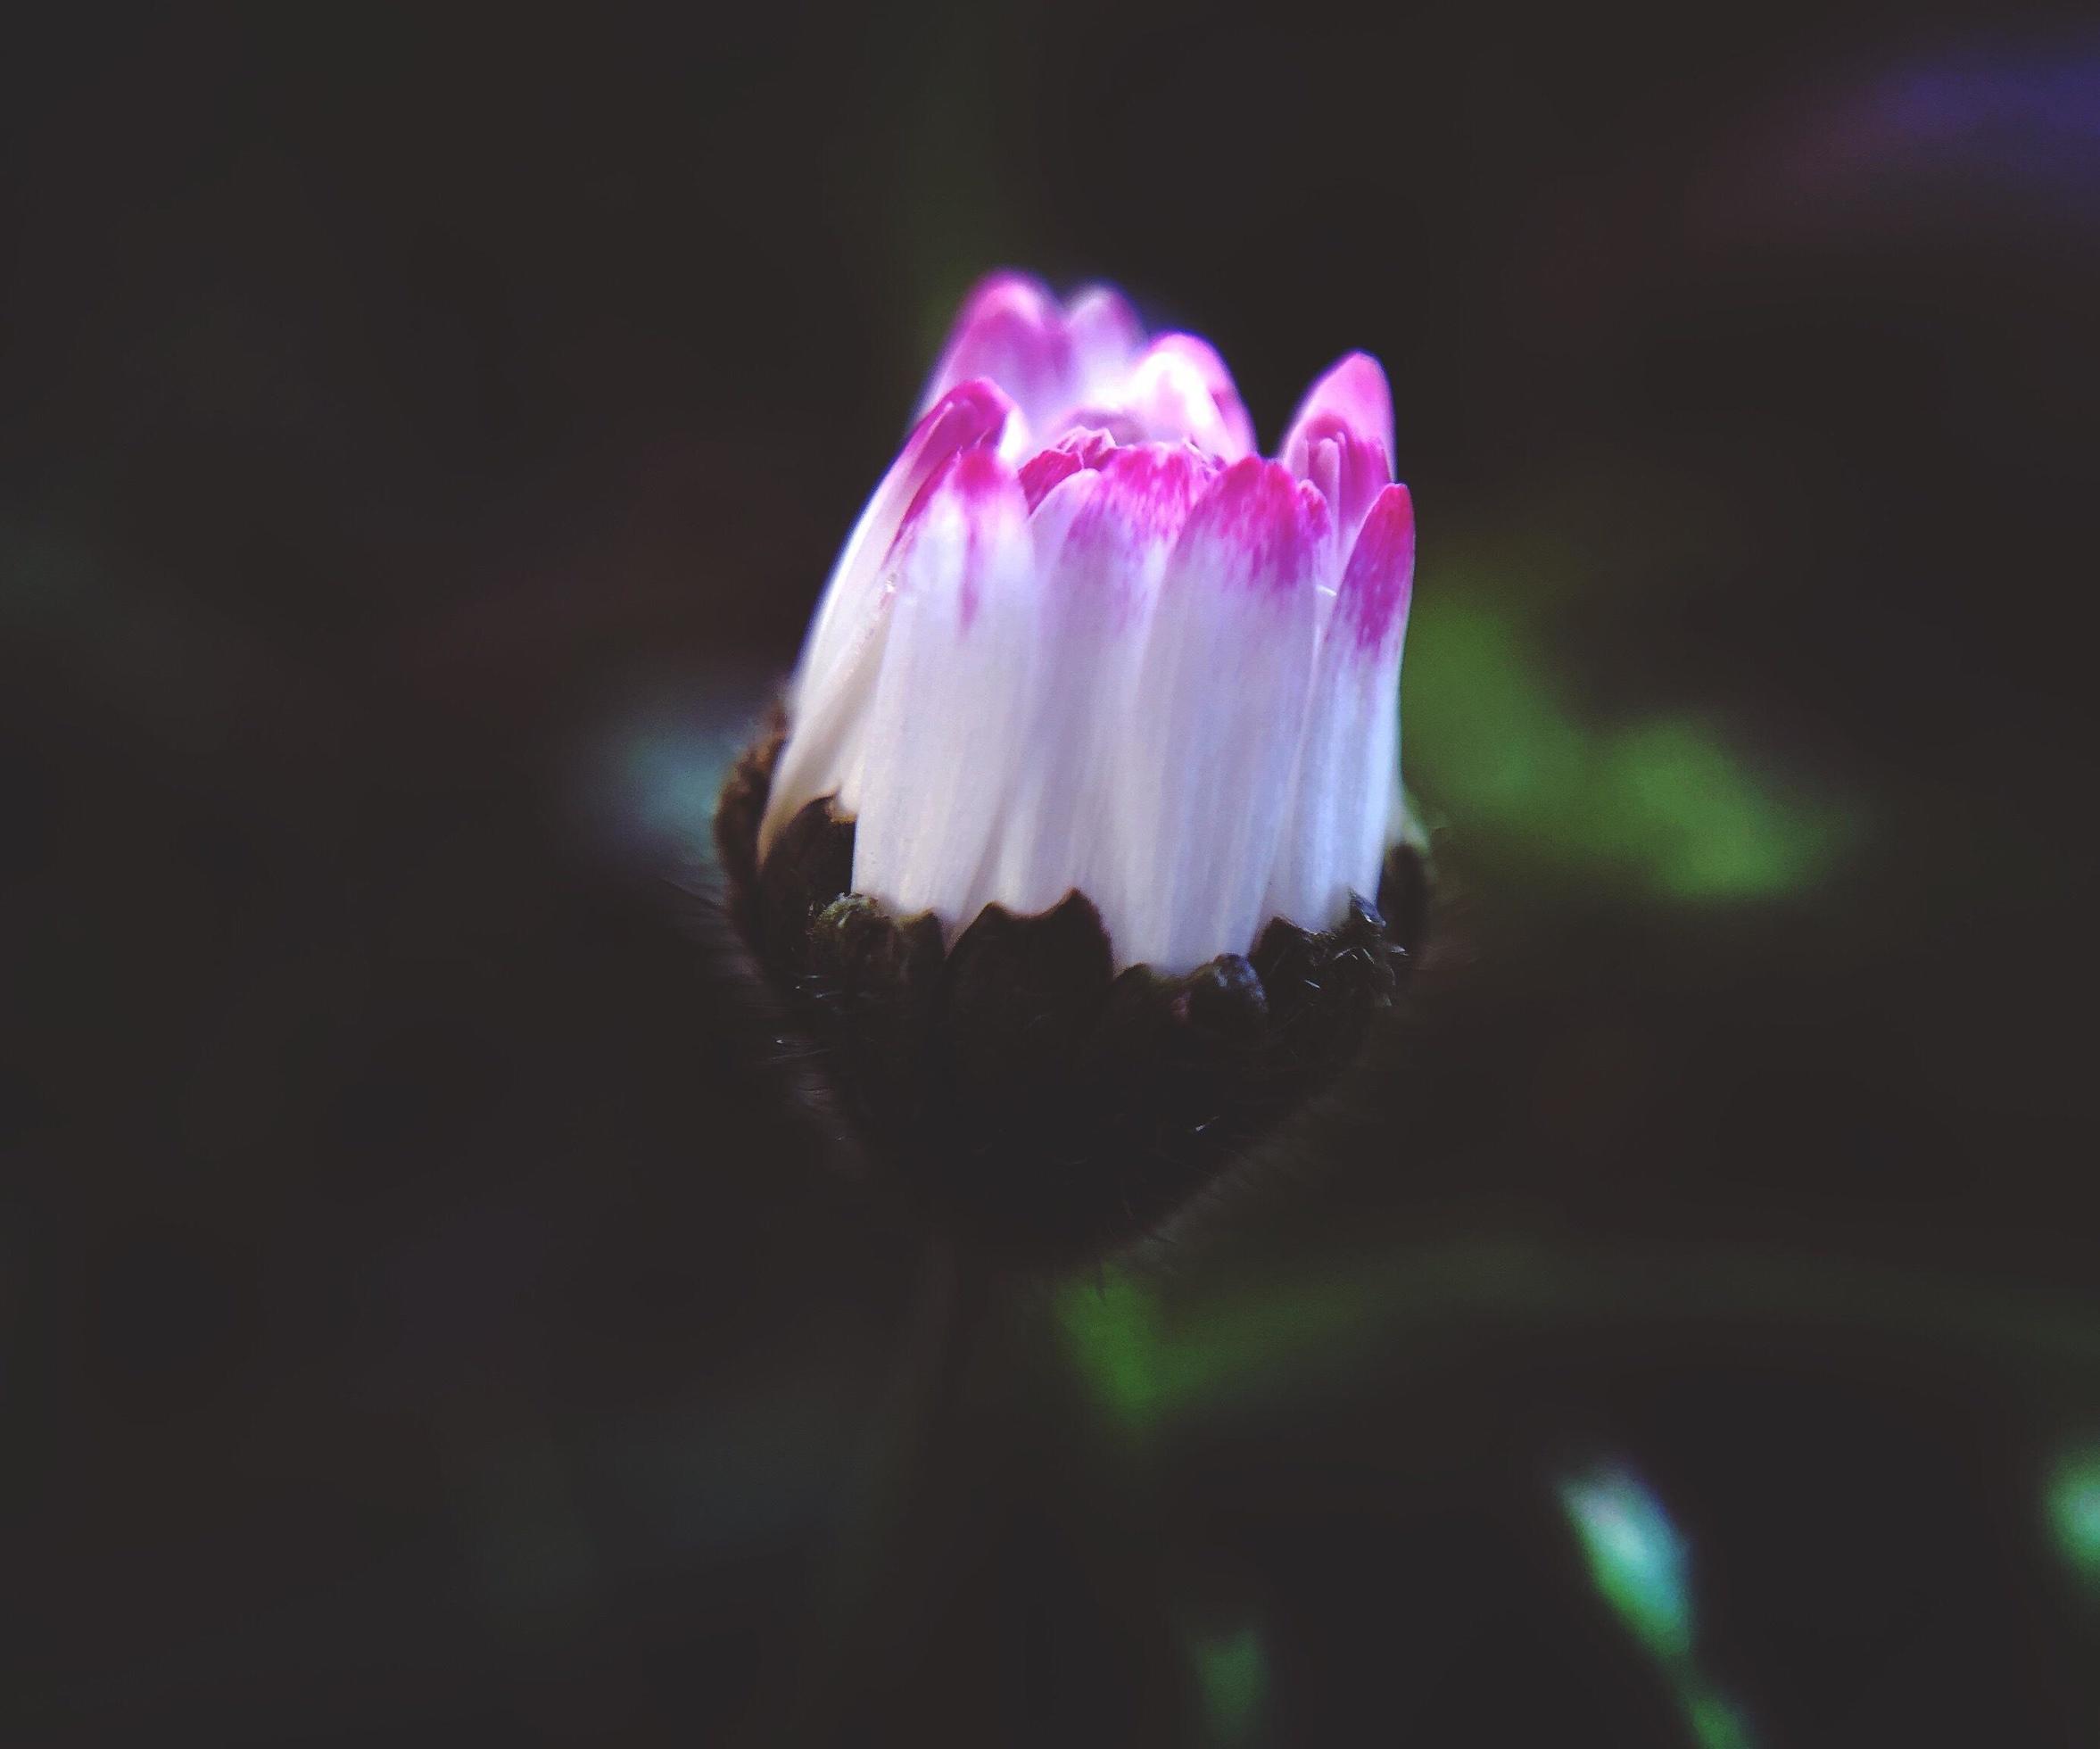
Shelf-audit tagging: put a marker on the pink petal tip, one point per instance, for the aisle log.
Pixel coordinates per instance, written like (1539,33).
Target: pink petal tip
(1379,580)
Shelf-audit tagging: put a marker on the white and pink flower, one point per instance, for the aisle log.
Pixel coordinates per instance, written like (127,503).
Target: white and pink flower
(1085,638)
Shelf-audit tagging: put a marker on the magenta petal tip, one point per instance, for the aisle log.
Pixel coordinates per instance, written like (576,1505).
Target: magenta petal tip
(1256,511)
(968,413)
(1379,578)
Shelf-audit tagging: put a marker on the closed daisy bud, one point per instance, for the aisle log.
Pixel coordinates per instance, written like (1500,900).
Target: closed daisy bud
(1070,836)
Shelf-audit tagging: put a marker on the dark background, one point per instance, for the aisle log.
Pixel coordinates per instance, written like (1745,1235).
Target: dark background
(429,1313)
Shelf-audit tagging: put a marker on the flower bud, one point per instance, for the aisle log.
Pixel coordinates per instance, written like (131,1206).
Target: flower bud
(1070,839)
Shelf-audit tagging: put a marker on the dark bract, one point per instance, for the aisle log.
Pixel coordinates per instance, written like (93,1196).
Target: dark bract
(1016,1088)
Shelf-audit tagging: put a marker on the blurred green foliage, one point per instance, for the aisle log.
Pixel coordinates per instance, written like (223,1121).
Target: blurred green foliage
(1232,1677)
(1659,803)
(1150,1351)
(1111,1327)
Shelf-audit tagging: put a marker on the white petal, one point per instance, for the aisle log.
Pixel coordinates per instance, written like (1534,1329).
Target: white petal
(969,414)
(1342,441)
(1352,396)
(834,679)
(1106,335)
(945,728)
(1179,389)
(1212,738)
(1342,796)
(1010,331)
(826,743)
(1102,543)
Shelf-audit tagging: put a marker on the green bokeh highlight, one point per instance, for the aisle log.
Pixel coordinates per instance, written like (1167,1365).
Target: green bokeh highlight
(1144,1367)
(1639,1563)
(1112,1328)
(2074,1511)
(1636,1558)
(1660,803)
(1232,1682)
(1717,1722)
